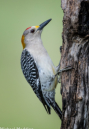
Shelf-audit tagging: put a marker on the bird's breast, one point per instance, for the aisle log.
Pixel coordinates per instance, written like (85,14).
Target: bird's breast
(47,73)
(45,67)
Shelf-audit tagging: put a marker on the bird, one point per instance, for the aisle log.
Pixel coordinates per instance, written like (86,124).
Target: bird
(38,68)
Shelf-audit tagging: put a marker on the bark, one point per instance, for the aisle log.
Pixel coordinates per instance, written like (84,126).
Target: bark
(75,53)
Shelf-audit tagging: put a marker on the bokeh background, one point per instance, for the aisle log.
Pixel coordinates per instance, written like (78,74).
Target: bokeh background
(19,106)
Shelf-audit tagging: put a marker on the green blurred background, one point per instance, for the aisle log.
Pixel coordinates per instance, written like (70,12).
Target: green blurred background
(19,106)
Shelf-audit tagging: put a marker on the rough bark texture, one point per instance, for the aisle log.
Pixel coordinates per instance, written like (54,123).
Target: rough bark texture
(75,52)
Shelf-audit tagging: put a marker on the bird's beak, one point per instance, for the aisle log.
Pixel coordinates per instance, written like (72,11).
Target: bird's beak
(41,26)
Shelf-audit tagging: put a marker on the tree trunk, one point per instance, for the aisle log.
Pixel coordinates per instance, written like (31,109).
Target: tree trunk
(75,53)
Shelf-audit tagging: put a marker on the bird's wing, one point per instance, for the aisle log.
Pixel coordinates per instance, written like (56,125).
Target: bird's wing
(31,74)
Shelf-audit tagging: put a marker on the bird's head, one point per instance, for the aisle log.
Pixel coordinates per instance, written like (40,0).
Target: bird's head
(33,33)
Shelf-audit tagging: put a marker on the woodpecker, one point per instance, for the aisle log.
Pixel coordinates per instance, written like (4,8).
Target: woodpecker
(38,68)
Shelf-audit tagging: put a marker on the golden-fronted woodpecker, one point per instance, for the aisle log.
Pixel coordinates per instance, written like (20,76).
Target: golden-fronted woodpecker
(38,68)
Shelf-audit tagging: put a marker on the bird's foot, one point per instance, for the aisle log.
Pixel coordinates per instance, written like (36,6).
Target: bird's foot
(65,69)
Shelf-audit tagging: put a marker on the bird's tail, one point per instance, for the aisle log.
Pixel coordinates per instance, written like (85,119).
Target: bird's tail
(57,110)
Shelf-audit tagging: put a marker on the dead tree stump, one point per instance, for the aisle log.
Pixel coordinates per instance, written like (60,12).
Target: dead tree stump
(75,53)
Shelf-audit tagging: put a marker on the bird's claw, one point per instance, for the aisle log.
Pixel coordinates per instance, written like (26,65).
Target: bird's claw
(65,69)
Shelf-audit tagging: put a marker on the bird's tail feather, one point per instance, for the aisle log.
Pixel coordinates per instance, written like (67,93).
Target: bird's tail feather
(57,110)
(47,108)
(54,106)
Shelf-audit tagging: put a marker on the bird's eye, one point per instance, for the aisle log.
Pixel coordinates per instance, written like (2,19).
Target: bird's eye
(32,31)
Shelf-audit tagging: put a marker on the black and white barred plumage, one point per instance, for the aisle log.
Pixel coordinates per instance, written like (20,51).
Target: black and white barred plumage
(31,74)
